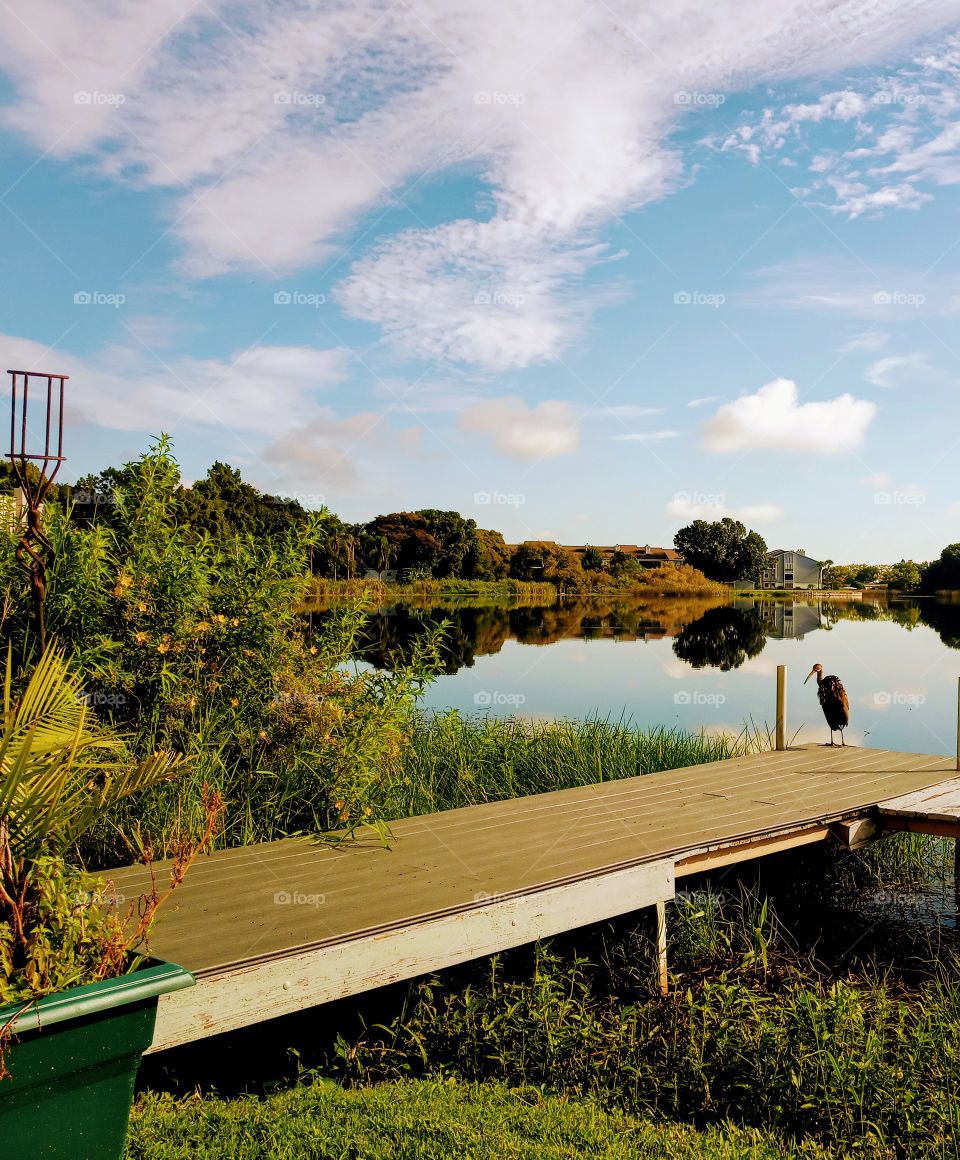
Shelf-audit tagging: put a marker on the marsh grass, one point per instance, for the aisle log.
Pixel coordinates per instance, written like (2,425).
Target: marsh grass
(454,761)
(758,1030)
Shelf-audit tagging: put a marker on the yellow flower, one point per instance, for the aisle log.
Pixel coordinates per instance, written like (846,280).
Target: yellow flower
(220,618)
(140,637)
(263,735)
(202,626)
(235,621)
(141,608)
(367,811)
(163,646)
(234,702)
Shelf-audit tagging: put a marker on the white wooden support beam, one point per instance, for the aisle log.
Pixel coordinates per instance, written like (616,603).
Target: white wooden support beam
(255,991)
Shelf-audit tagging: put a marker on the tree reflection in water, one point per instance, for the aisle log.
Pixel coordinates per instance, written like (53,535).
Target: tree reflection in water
(707,633)
(723,638)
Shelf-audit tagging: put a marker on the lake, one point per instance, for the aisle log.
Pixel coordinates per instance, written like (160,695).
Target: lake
(696,664)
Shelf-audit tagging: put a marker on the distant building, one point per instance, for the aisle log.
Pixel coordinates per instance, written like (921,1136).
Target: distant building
(791,569)
(645,555)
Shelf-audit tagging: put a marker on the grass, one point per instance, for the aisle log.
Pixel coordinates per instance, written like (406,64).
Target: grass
(429,1120)
(329,592)
(760,1029)
(455,761)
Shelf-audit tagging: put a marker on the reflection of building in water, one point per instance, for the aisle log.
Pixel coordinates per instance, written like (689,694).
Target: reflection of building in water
(784,620)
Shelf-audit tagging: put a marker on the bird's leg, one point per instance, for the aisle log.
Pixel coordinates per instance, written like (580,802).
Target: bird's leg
(842,738)
(830,742)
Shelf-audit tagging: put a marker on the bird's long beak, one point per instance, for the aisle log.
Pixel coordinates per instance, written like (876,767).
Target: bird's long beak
(809,675)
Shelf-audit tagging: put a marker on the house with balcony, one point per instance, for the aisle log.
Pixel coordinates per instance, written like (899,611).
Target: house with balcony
(791,569)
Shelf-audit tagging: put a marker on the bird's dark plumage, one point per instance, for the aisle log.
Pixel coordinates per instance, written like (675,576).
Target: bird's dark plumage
(833,702)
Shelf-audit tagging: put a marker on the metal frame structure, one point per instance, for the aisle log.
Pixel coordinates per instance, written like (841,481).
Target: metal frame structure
(34,550)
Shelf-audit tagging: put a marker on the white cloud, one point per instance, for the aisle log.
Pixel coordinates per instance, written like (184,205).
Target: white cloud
(894,370)
(281,129)
(261,390)
(646,436)
(703,401)
(529,433)
(713,507)
(866,340)
(773,419)
(903,133)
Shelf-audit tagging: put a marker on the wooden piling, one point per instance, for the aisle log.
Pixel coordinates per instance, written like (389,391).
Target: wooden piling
(782,710)
(662,976)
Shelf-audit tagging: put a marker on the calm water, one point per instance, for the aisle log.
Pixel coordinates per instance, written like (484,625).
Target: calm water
(697,664)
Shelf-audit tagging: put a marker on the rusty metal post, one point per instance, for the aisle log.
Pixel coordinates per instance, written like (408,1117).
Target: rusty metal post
(35,466)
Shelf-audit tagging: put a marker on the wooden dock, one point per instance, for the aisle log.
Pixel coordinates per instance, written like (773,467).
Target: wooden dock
(274,928)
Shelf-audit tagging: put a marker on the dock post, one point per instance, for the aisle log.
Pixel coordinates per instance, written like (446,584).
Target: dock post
(662,977)
(782,709)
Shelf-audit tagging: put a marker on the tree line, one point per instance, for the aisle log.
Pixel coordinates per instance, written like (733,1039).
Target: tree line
(439,544)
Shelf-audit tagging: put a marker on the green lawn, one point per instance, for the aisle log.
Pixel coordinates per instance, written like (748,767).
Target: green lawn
(427,1120)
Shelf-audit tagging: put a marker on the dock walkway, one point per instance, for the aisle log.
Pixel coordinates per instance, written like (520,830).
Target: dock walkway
(274,928)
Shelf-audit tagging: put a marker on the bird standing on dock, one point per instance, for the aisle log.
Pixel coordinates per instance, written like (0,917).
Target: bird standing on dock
(833,701)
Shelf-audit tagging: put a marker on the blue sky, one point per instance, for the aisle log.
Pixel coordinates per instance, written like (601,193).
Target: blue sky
(581,271)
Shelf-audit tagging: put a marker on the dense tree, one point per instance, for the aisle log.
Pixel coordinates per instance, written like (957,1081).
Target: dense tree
(904,576)
(401,540)
(547,561)
(623,565)
(945,572)
(592,560)
(723,550)
(487,558)
(456,537)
